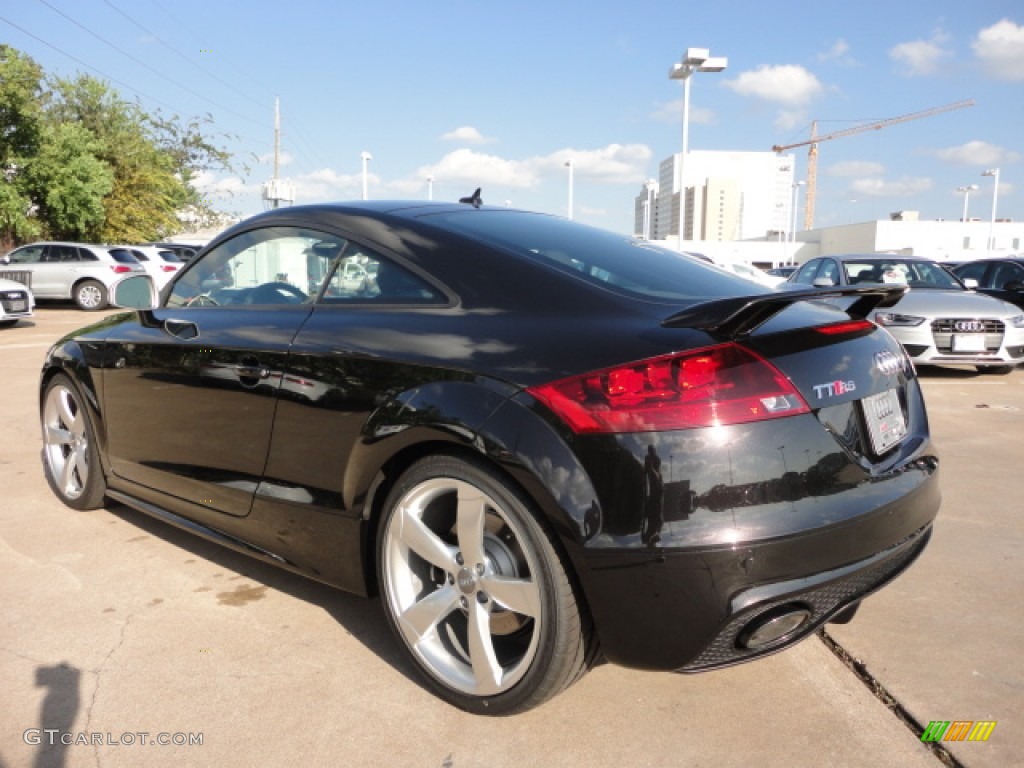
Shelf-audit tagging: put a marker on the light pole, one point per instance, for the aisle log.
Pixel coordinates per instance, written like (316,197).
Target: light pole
(430,187)
(994,173)
(366,158)
(967,189)
(792,212)
(569,165)
(694,60)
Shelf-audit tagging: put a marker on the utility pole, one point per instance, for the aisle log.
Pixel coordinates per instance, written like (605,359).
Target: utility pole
(275,191)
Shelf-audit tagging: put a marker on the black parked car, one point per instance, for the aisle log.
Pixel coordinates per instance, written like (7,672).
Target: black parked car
(1002,278)
(543,444)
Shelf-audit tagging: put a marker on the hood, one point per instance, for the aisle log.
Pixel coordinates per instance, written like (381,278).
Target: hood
(932,303)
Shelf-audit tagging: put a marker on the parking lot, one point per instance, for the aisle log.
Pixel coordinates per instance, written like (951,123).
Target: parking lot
(120,632)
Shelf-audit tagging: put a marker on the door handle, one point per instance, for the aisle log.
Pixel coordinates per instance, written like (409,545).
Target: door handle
(252,371)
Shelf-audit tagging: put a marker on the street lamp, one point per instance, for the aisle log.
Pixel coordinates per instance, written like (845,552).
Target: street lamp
(694,60)
(366,158)
(967,192)
(430,187)
(792,211)
(994,173)
(569,165)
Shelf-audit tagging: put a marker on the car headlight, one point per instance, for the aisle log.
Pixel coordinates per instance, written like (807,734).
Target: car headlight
(895,319)
(1017,322)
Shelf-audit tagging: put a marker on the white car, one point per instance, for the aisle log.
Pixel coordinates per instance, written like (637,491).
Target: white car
(77,271)
(16,302)
(160,263)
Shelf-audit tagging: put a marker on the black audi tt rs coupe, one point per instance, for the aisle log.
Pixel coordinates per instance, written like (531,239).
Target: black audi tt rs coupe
(542,444)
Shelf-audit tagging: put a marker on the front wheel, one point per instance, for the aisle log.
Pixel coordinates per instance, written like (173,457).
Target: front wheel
(70,459)
(90,295)
(475,591)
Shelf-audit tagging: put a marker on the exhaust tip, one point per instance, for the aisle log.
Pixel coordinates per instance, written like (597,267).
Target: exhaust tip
(772,626)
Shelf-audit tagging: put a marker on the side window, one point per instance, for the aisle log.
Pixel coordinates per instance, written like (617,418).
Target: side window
(31,254)
(360,275)
(974,271)
(1006,273)
(830,271)
(261,267)
(86,254)
(806,272)
(62,253)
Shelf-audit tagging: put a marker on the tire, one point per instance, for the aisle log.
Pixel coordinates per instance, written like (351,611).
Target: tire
(90,295)
(71,461)
(8,323)
(475,592)
(996,370)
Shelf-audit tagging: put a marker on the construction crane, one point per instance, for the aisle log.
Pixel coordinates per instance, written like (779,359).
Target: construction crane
(812,153)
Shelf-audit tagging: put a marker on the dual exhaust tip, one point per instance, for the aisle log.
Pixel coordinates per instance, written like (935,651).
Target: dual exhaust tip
(783,622)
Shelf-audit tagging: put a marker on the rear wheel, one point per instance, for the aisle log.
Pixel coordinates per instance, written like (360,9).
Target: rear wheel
(996,370)
(70,459)
(475,591)
(90,295)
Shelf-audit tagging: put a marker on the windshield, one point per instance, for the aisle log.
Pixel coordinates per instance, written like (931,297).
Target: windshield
(613,261)
(915,273)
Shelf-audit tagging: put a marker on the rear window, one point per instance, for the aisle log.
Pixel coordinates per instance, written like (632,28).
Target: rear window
(170,256)
(122,256)
(617,262)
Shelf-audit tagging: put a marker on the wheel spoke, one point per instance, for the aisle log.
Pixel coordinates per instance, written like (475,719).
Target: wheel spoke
(472,509)
(57,436)
(419,620)
(64,412)
(67,475)
(519,595)
(486,669)
(415,534)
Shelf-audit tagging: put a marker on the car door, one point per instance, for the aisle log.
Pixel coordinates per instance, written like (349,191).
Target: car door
(191,387)
(26,259)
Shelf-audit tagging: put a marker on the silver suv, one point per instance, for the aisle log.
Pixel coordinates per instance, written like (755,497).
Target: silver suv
(83,273)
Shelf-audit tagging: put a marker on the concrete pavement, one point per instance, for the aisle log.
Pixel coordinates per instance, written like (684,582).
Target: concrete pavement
(114,625)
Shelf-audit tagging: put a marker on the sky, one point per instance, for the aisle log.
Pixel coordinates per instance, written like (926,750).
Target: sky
(501,95)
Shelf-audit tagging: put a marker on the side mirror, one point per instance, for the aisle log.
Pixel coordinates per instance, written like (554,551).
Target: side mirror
(971,283)
(4,260)
(135,292)
(823,282)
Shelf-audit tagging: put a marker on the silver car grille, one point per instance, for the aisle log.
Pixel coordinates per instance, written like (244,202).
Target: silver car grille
(8,299)
(944,329)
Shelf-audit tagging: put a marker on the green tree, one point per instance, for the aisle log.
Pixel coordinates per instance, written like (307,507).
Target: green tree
(69,183)
(21,121)
(80,162)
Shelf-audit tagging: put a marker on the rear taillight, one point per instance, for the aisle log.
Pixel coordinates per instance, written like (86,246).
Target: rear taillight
(841,329)
(720,385)
(120,269)
(168,267)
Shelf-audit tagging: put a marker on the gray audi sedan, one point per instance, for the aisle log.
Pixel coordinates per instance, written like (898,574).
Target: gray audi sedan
(938,320)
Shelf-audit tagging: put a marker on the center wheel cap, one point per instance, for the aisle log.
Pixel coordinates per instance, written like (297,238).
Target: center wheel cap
(466,581)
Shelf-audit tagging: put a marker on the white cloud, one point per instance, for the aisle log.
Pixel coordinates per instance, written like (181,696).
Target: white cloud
(672,112)
(977,153)
(284,158)
(477,169)
(1000,49)
(213,188)
(853,168)
(789,120)
(327,184)
(879,187)
(788,84)
(920,57)
(466,134)
(838,52)
(616,163)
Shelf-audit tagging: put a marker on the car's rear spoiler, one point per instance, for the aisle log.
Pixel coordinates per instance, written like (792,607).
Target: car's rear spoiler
(741,315)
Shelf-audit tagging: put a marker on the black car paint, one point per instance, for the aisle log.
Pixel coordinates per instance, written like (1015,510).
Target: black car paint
(742,515)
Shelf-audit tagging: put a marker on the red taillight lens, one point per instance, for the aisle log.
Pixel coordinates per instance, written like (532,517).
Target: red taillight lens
(168,267)
(727,384)
(839,329)
(120,269)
